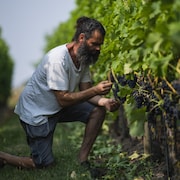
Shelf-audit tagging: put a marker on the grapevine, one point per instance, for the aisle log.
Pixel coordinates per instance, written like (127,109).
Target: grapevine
(142,36)
(161,100)
(119,82)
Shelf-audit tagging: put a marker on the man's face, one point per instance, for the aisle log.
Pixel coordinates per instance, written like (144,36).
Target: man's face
(89,50)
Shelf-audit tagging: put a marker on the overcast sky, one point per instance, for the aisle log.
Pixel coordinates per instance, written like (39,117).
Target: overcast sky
(24,24)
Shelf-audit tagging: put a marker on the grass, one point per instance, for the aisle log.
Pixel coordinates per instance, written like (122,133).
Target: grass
(13,141)
(67,140)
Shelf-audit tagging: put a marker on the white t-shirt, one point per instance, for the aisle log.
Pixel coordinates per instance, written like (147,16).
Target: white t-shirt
(55,72)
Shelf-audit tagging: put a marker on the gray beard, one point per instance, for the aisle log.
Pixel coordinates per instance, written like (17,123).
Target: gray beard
(86,56)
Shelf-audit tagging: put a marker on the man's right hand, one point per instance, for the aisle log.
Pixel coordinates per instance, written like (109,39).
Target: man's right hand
(103,87)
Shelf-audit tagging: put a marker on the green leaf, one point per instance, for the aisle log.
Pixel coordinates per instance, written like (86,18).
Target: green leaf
(136,118)
(137,128)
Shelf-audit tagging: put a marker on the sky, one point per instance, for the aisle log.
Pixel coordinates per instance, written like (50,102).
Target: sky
(24,24)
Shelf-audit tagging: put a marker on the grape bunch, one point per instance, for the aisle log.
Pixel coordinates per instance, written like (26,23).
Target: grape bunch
(121,81)
(159,98)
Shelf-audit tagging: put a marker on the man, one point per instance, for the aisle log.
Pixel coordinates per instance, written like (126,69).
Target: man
(51,96)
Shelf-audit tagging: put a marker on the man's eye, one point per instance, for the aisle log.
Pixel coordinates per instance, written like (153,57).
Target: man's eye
(96,44)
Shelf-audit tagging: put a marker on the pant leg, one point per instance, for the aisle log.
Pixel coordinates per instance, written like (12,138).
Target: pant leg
(78,112)
(40,140)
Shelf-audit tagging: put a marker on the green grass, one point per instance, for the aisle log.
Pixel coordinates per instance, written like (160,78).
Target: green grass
(13,141)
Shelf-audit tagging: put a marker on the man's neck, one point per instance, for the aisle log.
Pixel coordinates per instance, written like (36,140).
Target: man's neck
(72,48)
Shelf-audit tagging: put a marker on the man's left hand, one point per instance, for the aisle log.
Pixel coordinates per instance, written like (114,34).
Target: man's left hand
(112,105)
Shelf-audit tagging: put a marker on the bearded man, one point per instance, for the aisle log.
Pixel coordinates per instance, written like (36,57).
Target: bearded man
(51,97)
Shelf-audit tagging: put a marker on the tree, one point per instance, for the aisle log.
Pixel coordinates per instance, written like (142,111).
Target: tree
(6,72)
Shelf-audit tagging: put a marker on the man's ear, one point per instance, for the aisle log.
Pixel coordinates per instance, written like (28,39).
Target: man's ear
(81,37)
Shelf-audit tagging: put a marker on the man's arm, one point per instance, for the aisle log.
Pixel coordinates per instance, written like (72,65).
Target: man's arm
(109,104)
(87,91)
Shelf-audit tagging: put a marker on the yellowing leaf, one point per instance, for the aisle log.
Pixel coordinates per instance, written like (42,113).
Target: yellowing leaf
(127,68)
(73,175)
(139,178)
(135,155)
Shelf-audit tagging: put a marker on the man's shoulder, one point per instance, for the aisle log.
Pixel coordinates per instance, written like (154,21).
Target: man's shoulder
(58,49)
(57,53)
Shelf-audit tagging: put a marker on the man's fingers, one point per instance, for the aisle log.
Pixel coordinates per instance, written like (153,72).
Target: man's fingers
(106,83)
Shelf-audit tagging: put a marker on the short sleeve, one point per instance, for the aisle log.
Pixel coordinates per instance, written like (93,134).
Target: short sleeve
(57,76)
(86,75)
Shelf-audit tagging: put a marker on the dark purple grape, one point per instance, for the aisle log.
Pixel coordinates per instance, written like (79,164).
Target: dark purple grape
(138,100)
(116,87)
(148,87)
(168,120)
(164,85)
(135,78)
(176,85)
(157,111)
(122,99)
(167,103)
(131,83)
(122,80)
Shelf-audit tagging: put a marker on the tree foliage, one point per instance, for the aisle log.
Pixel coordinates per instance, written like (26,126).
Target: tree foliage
(143,37)
(6,71)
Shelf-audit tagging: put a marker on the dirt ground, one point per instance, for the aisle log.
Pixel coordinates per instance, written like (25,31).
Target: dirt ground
(160,169)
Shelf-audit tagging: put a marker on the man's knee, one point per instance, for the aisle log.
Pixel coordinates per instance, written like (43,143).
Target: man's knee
(42,158)
(99,112)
